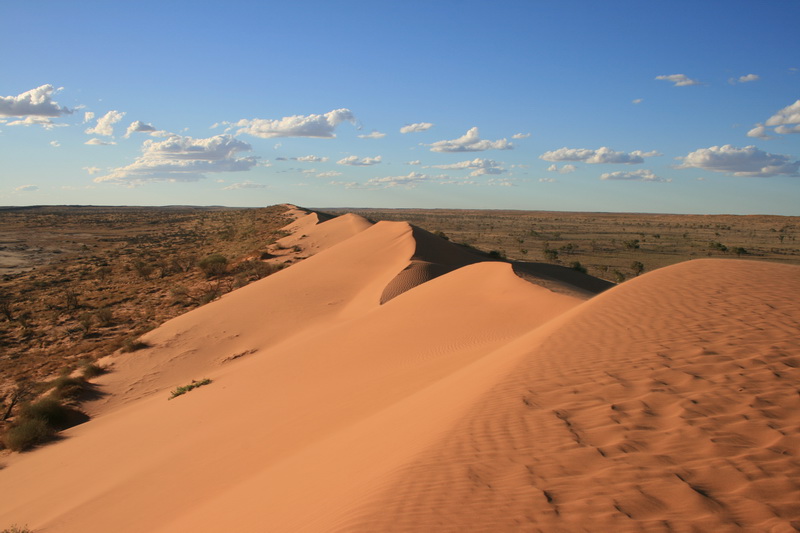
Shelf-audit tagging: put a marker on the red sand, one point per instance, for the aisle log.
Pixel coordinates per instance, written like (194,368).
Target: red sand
(474,401)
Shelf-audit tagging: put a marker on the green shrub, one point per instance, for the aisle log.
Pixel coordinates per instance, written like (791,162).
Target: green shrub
(49,410)
(186,388)
(576,265)
(213,265)
(66,387)
(91,370)
(132,345)
(27,433)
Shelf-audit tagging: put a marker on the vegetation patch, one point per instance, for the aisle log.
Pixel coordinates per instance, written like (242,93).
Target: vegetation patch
(186,388)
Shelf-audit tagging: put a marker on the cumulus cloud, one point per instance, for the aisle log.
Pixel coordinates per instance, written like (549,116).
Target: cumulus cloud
(31,120)
(244,185)
(637,101)
(470,142)
(27,188)
(748,161)
(88,116)
(329,174)
(180,158)
(356,161)
(744,79)
(297,125)
(310,159)
(786,116)
(410,180)
(373,135)
(636,175)
(547,180)
(602,155)
(679,80)
(55,144)
(478,166)
(98,142)
(37,102)
(93,170)
(759,132)
(105,124)
(520,135)
(139,126)
(419,126)
(415,162)
(566,169)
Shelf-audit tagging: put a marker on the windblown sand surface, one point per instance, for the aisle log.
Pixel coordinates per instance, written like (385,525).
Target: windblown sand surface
(469,400)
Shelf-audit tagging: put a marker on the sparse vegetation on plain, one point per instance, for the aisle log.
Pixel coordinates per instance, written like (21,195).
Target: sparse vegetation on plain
(611,246)
(78,283)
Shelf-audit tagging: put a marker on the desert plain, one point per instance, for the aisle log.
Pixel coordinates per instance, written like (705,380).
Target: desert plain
(400,370)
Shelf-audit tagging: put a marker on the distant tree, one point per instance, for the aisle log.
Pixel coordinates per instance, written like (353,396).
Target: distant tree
(637,267)
(632,244)
(619,277)
(576,265)
(143,268)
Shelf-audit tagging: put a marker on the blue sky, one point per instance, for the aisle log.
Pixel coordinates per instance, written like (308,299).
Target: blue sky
(663,106)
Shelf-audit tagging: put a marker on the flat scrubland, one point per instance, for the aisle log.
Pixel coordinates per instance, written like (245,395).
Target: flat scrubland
(78,283)
(611,246)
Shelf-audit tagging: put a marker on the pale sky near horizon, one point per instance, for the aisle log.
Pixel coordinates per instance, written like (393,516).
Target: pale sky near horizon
(662,106)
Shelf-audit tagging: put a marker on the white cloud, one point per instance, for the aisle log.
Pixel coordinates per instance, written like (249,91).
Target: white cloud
(55,144)
(97,142)
(547,180)
(787,129)
(566,169)
(410,180)
(139,126)
(748,161)
(297,125)
(105,124)
(311,159)
(680,80)
(637,101)
(478,166)
(329,174)
(27,188)
(419,126)
(470,142)
(244,185)
(636,175)
(415,162)
(93,170)
(31,120)
(88,116)
(37,102)
(788,115)
(373,135)
(744,79)
(355,161)
(180,158)
(348,184)
(520,135)
(759,132)
(601,155)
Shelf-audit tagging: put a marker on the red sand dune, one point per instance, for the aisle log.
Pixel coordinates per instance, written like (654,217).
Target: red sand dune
(472,401)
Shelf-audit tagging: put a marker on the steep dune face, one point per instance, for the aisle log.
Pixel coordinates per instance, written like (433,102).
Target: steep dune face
(668,403)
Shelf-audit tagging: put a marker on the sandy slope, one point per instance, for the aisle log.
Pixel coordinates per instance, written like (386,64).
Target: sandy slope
(330,383)
(667,404)
(473,401)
